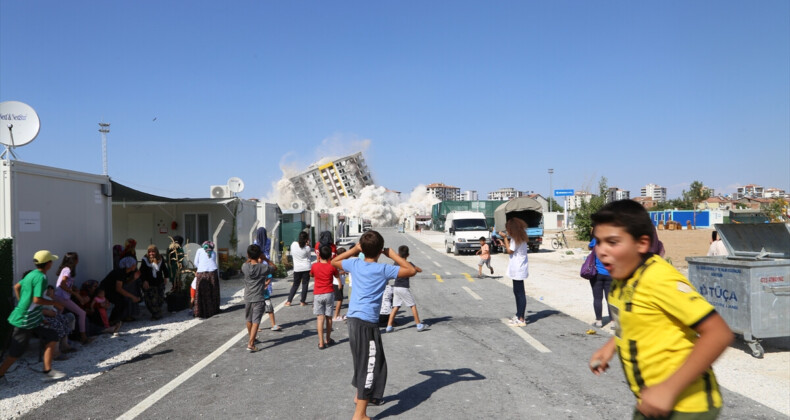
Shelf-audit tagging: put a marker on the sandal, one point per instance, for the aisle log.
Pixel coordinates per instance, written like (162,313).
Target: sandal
(252,349)
(321,346)
(287,303)
(330,342)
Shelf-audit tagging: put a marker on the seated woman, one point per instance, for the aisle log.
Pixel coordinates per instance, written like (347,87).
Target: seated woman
(113,286)
(61,323)
(154,275)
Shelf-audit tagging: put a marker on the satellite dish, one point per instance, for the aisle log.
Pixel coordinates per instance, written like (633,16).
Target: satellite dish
(20,125)
(235,185)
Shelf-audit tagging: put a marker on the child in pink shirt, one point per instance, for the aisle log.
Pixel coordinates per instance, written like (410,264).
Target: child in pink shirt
(485,258)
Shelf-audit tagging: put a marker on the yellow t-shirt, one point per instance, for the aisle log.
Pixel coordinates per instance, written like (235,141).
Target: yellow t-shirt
(655,312)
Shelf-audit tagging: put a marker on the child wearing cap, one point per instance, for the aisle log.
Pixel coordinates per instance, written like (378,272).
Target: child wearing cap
(27,317)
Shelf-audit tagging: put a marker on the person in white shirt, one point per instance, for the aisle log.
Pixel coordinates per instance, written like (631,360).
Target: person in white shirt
(301,252)
(207,281)
(716,245)
(516,245)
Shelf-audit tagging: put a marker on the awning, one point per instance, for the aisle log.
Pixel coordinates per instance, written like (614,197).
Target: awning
(122,195)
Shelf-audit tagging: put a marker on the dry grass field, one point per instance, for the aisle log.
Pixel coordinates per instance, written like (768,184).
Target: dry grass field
(678,244)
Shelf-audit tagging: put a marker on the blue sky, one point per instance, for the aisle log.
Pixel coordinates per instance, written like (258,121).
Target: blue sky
(479,95)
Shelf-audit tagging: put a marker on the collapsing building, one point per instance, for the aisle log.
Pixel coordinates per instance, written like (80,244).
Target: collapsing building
(325,184)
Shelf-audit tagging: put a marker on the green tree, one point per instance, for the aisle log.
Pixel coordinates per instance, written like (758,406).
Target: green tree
(582,217)
(777,210)
(553,205)
(696,194)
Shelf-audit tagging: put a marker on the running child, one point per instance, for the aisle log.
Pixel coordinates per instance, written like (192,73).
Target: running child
(27,318)
(667,336)
(364,304)
(323,295)
(254,288)
(485,258)
(402,295)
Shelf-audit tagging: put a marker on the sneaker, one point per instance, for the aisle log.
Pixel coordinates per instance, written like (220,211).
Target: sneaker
(597,324)
(388,329)
(515,322)
(421,327)
(338,319)
(53,375)
(277,328)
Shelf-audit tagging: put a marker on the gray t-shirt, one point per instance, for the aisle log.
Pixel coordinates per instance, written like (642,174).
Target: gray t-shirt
(254,281)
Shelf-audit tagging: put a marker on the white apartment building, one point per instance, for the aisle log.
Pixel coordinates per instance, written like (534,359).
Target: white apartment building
(774,193)
(325,184)
(505,194)
(656,192)
(751,190)
(468,195)
(444,192)
(578,197)
(616,194)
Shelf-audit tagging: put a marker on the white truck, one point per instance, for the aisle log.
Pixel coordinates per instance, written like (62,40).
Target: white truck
(463,230)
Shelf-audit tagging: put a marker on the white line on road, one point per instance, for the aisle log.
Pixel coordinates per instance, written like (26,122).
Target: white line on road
(448,273)
(180,379)
(437,264)
(473,294)
(528,338)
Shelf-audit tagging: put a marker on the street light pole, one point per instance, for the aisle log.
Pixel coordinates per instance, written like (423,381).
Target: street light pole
(551,172)
(104,129)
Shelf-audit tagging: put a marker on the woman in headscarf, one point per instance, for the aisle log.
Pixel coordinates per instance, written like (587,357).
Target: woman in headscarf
(153,276)
(207,282)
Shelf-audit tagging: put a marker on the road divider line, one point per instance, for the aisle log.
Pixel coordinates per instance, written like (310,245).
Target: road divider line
(528,338)
(468,277)
(473,294)
(437,264)
(448,273)
(180,379)
(438,278)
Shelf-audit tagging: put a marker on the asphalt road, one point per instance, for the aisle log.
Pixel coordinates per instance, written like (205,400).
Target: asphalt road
(468,365)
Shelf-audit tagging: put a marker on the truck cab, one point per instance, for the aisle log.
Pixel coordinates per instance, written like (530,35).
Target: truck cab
(463,230)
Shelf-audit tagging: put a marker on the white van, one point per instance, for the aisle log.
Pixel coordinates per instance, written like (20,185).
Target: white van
(463,230)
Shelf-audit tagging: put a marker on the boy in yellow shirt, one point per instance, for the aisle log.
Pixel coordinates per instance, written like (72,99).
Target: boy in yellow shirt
(667,336)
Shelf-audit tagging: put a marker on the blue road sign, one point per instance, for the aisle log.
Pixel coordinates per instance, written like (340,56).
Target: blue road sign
(563,193)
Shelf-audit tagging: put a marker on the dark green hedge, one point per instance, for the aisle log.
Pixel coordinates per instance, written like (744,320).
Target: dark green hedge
(6,283)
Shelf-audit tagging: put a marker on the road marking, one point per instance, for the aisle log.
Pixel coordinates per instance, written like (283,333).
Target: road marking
(468,277)
(473,294)
(448,273)
(437,264)
(528,338)
(438,278)
(180,379)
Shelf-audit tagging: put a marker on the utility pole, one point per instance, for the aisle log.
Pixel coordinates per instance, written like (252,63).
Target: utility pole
(551,172)
(104,128)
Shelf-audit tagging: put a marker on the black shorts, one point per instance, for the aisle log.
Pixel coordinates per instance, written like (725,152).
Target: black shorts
(21,336)
(338,293)
(253,312)
(367,352)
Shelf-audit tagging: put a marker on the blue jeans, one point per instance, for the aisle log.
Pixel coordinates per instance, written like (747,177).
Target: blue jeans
(521,298)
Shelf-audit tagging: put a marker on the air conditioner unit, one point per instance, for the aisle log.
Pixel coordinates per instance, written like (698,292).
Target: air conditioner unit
(220,191)
(298,205)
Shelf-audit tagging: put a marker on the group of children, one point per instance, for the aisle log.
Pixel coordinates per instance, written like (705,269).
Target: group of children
(667,336)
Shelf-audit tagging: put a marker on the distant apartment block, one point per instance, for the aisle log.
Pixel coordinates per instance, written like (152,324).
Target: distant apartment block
(616,194)
(575,201)
(505,194)
(468,195)
(656,192)
(774,193)
(326,184)
(751,190)
(444,192)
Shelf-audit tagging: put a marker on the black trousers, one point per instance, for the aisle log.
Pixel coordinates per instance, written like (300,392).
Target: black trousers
(300,277)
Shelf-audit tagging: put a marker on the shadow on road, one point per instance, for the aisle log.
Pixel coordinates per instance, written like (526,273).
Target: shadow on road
(415,395)
(534,317)
(437,320)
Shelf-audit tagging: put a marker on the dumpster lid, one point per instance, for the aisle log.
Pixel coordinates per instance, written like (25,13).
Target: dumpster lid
(756,240)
